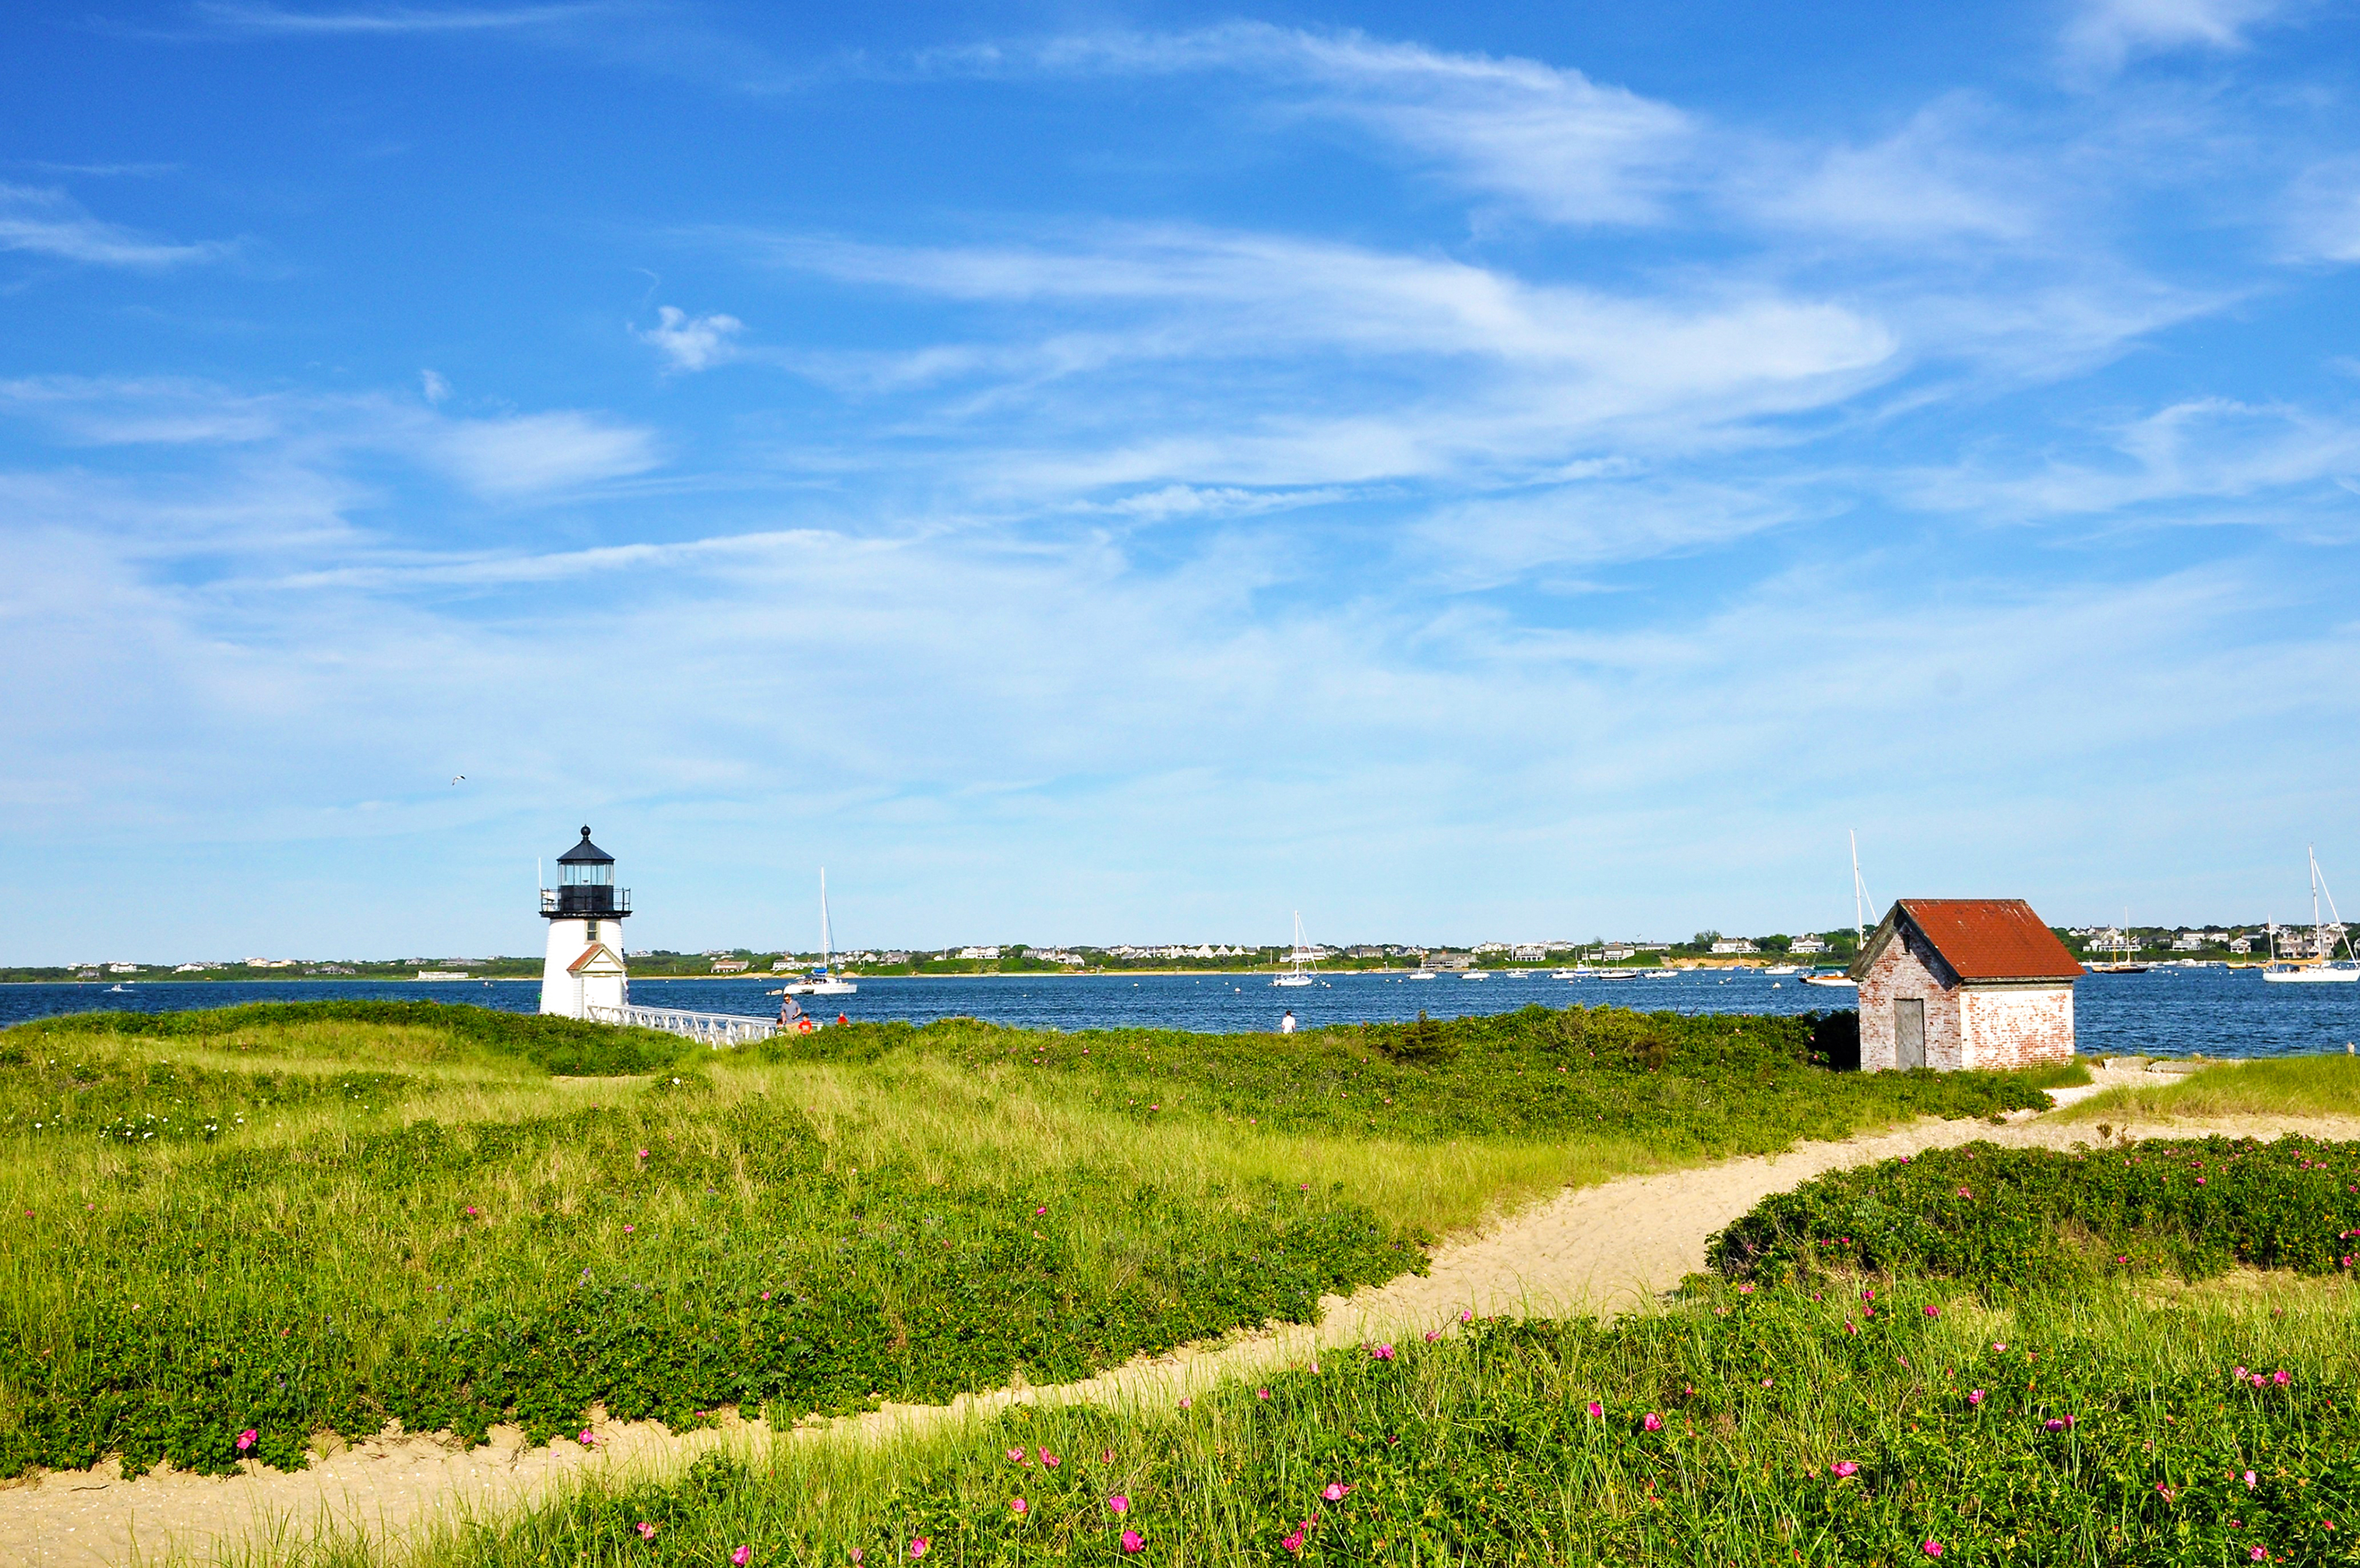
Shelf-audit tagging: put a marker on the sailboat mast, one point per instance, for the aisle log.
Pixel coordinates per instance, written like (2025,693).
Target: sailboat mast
(826,941)
(2318,931)
(1859,914)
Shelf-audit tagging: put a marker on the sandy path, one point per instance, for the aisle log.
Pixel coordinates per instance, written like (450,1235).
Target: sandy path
(1595,1249)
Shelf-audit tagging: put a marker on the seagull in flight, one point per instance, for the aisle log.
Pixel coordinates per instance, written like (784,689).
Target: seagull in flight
(458,780)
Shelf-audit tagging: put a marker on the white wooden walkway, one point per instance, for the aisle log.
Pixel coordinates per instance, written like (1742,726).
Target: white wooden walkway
(716,1029)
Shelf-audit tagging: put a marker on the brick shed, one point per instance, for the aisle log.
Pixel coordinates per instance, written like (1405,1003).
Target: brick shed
(1964,982)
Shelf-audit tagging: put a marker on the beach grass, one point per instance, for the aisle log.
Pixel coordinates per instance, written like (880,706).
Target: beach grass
(1890,1420)
(295,1220)
(2273,1087)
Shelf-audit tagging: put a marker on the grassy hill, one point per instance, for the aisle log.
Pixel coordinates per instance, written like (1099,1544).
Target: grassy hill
(312,1218)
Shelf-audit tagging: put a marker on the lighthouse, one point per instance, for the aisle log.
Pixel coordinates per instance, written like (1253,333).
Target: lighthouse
(586,912)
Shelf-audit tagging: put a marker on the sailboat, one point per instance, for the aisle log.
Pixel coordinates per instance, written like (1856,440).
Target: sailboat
(1300,958)
(2125,943)
(2324,969)
(1859,924)
(823,980)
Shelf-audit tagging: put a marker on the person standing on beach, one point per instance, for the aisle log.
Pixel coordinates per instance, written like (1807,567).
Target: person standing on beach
(1286,1025)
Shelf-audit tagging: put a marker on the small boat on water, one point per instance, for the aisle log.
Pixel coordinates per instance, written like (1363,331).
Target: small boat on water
(1473,974)
(1300,958)
(1783,968)
(2324,967)
(823,980)
(1839,980)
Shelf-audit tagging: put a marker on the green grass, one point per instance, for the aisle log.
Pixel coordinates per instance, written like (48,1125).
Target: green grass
(1482,1448)
(2294,1086)
(321,1218)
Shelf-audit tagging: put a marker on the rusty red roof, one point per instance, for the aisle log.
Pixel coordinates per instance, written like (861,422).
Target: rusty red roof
(591,955)
(1992,938)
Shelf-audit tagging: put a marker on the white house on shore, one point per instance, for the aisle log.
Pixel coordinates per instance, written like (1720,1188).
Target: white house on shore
(1964,982)
(585,911)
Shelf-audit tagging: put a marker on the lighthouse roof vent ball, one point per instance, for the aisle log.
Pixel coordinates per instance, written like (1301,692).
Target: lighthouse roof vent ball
(585,851)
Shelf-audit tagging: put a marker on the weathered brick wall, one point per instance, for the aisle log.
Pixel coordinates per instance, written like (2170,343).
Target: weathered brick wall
(1895,974)
(2018,1026)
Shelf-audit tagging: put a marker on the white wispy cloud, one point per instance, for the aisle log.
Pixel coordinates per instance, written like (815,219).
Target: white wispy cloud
(1575,149)
(46,221)
(368,19)
(506,457)
(1458,363)
(1949,171)
(103,171)
(2323,221)
(692,343)
(2107,32)
(2199,450)
(531,454)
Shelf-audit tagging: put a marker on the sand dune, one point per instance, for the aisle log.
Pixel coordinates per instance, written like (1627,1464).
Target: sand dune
(1591,1249)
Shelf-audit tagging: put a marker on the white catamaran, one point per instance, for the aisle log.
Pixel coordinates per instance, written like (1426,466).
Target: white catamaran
(1859,924)
(1300,960)
(823,980)
(2324,969)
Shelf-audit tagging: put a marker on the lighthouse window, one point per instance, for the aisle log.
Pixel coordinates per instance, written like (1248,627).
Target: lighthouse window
(593,930)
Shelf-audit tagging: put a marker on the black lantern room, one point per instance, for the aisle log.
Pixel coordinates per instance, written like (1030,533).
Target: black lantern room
(585,886)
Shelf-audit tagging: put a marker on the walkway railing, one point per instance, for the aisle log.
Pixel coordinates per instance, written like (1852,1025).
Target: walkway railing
(716,1029)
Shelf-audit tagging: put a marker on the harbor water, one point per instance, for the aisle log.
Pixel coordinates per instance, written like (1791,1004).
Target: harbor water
(2165,1012)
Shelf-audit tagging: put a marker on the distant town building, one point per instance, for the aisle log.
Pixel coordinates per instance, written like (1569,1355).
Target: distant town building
(730,966)
(1806,944)
(192,969)
(978,953)
(1529,953)
(1734,945)
(2241,944)
(1964,982)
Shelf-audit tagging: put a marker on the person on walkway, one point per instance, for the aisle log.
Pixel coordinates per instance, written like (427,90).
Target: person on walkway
(788,1011)
(1286,1025)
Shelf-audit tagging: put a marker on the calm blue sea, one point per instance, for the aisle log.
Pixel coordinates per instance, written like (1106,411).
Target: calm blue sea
(2162,1012)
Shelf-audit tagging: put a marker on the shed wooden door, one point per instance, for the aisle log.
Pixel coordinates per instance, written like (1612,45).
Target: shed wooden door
(1908,1031)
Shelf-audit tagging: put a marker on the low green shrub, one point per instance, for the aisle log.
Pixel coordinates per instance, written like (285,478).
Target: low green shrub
(2019,1219)
(1709,1084)
(1761,1427)
(559,1045)
(478,1293)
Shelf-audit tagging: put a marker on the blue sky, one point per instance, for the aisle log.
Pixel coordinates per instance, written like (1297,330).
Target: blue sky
(1101,472)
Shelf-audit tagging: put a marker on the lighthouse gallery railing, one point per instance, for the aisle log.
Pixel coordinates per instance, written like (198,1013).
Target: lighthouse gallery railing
(716,1029)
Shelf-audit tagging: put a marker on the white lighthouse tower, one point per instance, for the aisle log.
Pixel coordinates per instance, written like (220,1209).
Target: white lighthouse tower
(586,912)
